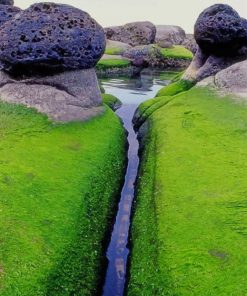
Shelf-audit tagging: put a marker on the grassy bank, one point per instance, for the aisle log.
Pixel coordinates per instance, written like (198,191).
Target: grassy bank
(177,52)
(189,233)
(57,185)
(105,64)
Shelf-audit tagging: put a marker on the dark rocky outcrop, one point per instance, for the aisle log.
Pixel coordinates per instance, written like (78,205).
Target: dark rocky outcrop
(166,34)
(221,35)
(7,12)
(134,34)
(219,30)
(49,37)
(47,55)
(6,2)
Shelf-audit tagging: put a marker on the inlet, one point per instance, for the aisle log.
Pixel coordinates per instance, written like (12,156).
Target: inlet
(132,92)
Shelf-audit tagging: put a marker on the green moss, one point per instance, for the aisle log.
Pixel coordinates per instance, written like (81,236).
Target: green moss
(175,88)
(104,64)
(189,227)
(113,102)
(57,184)
(177,52)
(114,51)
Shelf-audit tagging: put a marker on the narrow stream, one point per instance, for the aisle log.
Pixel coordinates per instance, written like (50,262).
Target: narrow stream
(131,92)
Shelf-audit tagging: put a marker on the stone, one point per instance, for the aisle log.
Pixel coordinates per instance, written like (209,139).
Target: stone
(164,44)
(190,43)
(6,2)
(203,65)
(69,96)
(143,56)
(172,34)
(49,38)
(134,34)
(117,46)
(7,12)
(233,79)
(219,30)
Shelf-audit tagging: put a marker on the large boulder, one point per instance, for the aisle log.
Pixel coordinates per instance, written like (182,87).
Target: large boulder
(220,30)
(169,34)
(134,34)
(144,55)
(221,35)
(6,2)
(7,12)
(47,55)
(49,37)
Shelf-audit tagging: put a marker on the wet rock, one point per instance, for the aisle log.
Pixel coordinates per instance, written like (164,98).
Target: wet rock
(68,96)
(144,56)
(7,12)
(219,30)
(172,34)
(6,2)
(233,79)
(49,38)
(134,34)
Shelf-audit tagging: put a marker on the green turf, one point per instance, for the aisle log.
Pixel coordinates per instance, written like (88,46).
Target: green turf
(57,187)
(189,233)
(114,51)
(177,52)
(113,102)
(104,64)
(175,88)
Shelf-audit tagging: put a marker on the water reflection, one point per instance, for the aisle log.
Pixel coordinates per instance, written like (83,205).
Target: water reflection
(131,91)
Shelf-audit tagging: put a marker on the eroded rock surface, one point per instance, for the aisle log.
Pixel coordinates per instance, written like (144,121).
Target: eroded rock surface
(7,12)
(134,34)
(49,37)
(7,2)
(72,95)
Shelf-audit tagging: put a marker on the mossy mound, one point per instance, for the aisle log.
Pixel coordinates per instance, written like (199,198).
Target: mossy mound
(189,227)
(58,186)
(105,64)
(111,101)
(177,52)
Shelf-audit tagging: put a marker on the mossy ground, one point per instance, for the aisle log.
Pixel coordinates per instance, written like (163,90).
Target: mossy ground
(189,233)
(57,188)
(111,101)
(105,64)
(177,52)
(114,51)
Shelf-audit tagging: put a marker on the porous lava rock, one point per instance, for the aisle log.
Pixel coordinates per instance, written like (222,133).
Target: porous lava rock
(221,35)
(219,30)
(134,34)
(6,2)
(47,55)
(7,12)
(49,37)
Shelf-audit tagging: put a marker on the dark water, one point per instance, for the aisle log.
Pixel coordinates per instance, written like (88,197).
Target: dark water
(131,92)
